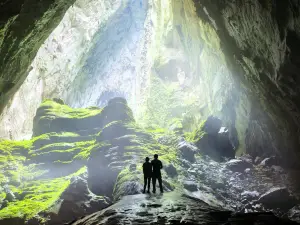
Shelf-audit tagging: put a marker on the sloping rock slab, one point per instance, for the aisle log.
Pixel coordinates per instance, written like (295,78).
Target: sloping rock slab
(171,208)
(277,198)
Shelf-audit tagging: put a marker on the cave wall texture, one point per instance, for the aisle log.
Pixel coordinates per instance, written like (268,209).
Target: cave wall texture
(24,27)
(172,60)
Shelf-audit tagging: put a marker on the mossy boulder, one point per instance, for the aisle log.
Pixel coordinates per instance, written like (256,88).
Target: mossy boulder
(55,117)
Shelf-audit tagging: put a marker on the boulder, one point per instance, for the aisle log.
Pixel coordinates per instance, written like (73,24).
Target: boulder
(212,125)
(116,110)
(187,151)
(224,145)
(78,201)
(238,165)
(101,178)
(217,145)
(278,198)
(170,170)
(190,185)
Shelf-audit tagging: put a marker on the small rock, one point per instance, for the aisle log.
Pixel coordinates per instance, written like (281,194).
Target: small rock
(269,161)
(277,169)
(278,198)
(248,170)
(59,101)
(238,165)
(184,163)
(3,204)
(294,213)
(257,160)
(250,195)
(132,167)
(246,158)
(171,170)
(190,186)
(10,197)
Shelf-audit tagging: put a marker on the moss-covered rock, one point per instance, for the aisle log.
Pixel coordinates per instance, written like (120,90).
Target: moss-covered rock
(55,117)
(38,174)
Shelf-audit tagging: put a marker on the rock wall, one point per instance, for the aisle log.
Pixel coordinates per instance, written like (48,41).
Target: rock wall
(260,38)
(157,54)
(56,64)
(24,26)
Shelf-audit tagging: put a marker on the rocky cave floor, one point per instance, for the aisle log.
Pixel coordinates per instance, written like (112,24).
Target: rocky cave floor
(81,161)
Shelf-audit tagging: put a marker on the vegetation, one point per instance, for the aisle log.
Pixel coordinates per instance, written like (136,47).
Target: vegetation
(51,108)
(196,134)
(37,196)
(25,165)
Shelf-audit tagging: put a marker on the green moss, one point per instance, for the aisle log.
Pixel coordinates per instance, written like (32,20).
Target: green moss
(86,148)
(52,108)
(123,178)
(10,146)
(12,156)
(196,134)
(40,195)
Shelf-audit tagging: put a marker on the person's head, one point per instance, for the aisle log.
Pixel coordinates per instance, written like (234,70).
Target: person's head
(147,159)
(155,156)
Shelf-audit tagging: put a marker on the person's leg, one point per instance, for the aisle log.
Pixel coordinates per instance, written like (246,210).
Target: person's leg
(154,183)
(149,180)
(145,183)
(160,184)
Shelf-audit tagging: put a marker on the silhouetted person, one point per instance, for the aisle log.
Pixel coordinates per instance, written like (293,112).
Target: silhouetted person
(147,170)
(156,167)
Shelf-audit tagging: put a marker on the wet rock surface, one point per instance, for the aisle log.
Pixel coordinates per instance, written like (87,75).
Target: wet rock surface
(172,208)
(239,185)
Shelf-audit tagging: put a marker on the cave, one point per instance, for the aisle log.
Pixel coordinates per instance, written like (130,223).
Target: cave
(89,89)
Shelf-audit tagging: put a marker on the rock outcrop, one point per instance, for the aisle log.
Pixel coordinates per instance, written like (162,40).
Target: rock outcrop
(78,162)
(213,139)
(173,208)
(84,160)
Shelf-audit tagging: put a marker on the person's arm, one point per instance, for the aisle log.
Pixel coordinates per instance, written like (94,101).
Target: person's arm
(161,166)
(144,168)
